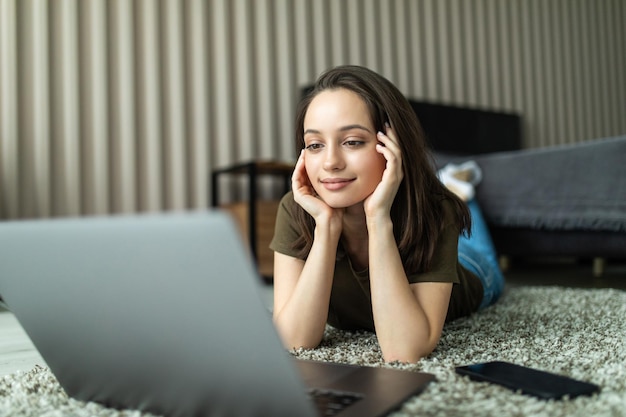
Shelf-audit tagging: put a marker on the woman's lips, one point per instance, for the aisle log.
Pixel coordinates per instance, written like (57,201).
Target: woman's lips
(334,184)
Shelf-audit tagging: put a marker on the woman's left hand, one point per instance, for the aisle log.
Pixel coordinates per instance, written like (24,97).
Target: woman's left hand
(380,201)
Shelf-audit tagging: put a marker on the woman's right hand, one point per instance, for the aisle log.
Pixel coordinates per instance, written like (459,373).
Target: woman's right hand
(304,194)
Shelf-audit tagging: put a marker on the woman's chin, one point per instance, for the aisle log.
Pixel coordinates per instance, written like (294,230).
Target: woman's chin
(342,202)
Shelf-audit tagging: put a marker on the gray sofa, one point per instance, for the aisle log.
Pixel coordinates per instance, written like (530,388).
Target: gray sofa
(559,201)
(563,201)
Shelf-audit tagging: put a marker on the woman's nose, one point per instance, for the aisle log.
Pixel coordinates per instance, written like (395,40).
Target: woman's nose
(333,160)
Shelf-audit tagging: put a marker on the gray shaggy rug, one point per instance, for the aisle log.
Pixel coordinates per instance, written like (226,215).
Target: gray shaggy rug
(580,333)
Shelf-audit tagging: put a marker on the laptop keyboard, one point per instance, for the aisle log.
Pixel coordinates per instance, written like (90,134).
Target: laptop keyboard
(331,403)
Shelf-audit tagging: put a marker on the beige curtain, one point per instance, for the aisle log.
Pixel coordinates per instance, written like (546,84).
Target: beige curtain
(111,106)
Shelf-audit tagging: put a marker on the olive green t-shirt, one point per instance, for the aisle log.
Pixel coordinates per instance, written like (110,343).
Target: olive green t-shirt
(350,299)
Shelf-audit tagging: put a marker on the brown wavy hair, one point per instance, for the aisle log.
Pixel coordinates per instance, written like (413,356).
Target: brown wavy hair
(417,210)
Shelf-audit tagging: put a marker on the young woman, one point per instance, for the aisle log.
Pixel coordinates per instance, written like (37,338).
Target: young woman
(368,238)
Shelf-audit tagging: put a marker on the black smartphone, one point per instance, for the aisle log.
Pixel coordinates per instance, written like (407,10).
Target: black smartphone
(541,384)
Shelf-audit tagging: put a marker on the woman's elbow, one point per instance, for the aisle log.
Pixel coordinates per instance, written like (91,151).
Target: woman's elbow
(409,354)
(298,343)
(407,357)
(294,338)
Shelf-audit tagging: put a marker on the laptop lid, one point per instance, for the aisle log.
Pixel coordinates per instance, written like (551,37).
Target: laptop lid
(151,312)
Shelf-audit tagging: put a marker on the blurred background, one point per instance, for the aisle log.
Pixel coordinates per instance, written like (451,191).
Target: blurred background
(118,106)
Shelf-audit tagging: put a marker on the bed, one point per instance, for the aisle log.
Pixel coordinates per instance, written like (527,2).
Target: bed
(559,201)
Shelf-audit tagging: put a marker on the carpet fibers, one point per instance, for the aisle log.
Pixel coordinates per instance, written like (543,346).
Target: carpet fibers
(580,333)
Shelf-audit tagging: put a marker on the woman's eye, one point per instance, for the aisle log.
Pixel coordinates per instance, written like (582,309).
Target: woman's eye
(314,146)
(353,143)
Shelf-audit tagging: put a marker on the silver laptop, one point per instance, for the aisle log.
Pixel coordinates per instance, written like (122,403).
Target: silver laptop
(162,313)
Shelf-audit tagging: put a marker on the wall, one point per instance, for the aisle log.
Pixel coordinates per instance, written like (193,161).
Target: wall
(119,106)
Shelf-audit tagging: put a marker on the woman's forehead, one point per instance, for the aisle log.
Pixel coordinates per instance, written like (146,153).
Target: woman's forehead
(343,105)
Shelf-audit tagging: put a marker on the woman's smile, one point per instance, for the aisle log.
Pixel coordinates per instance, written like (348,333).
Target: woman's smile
(335,184)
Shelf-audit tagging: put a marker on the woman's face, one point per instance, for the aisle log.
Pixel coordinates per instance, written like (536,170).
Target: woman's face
(340,148)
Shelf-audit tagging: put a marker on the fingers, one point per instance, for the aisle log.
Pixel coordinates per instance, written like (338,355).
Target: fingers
(300,182)
(389,139)
(298,172)
(390,149)
(299,162)
(303,191)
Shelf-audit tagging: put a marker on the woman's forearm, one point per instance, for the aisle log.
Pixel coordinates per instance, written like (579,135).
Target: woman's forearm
(302,318)
(402,326)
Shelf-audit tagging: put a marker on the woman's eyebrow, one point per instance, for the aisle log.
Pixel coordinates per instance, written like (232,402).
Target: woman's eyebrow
(355,126)
(341,129)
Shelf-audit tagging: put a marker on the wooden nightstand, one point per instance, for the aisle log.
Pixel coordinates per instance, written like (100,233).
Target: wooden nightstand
(255,218)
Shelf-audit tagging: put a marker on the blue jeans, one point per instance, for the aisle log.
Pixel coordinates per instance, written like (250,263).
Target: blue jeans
(478,255)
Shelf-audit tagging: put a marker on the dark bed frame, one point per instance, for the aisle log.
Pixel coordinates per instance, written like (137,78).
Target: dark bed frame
(465,131)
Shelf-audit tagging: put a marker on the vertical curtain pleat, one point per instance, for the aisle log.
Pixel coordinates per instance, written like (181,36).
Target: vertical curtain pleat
(122,100)
(174,109)
(198,110)
(95,126)
(243,83)
(265,77)
(113,106)
(286,73)
(9,113)
(33,108)
(148,110)
(64,109)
